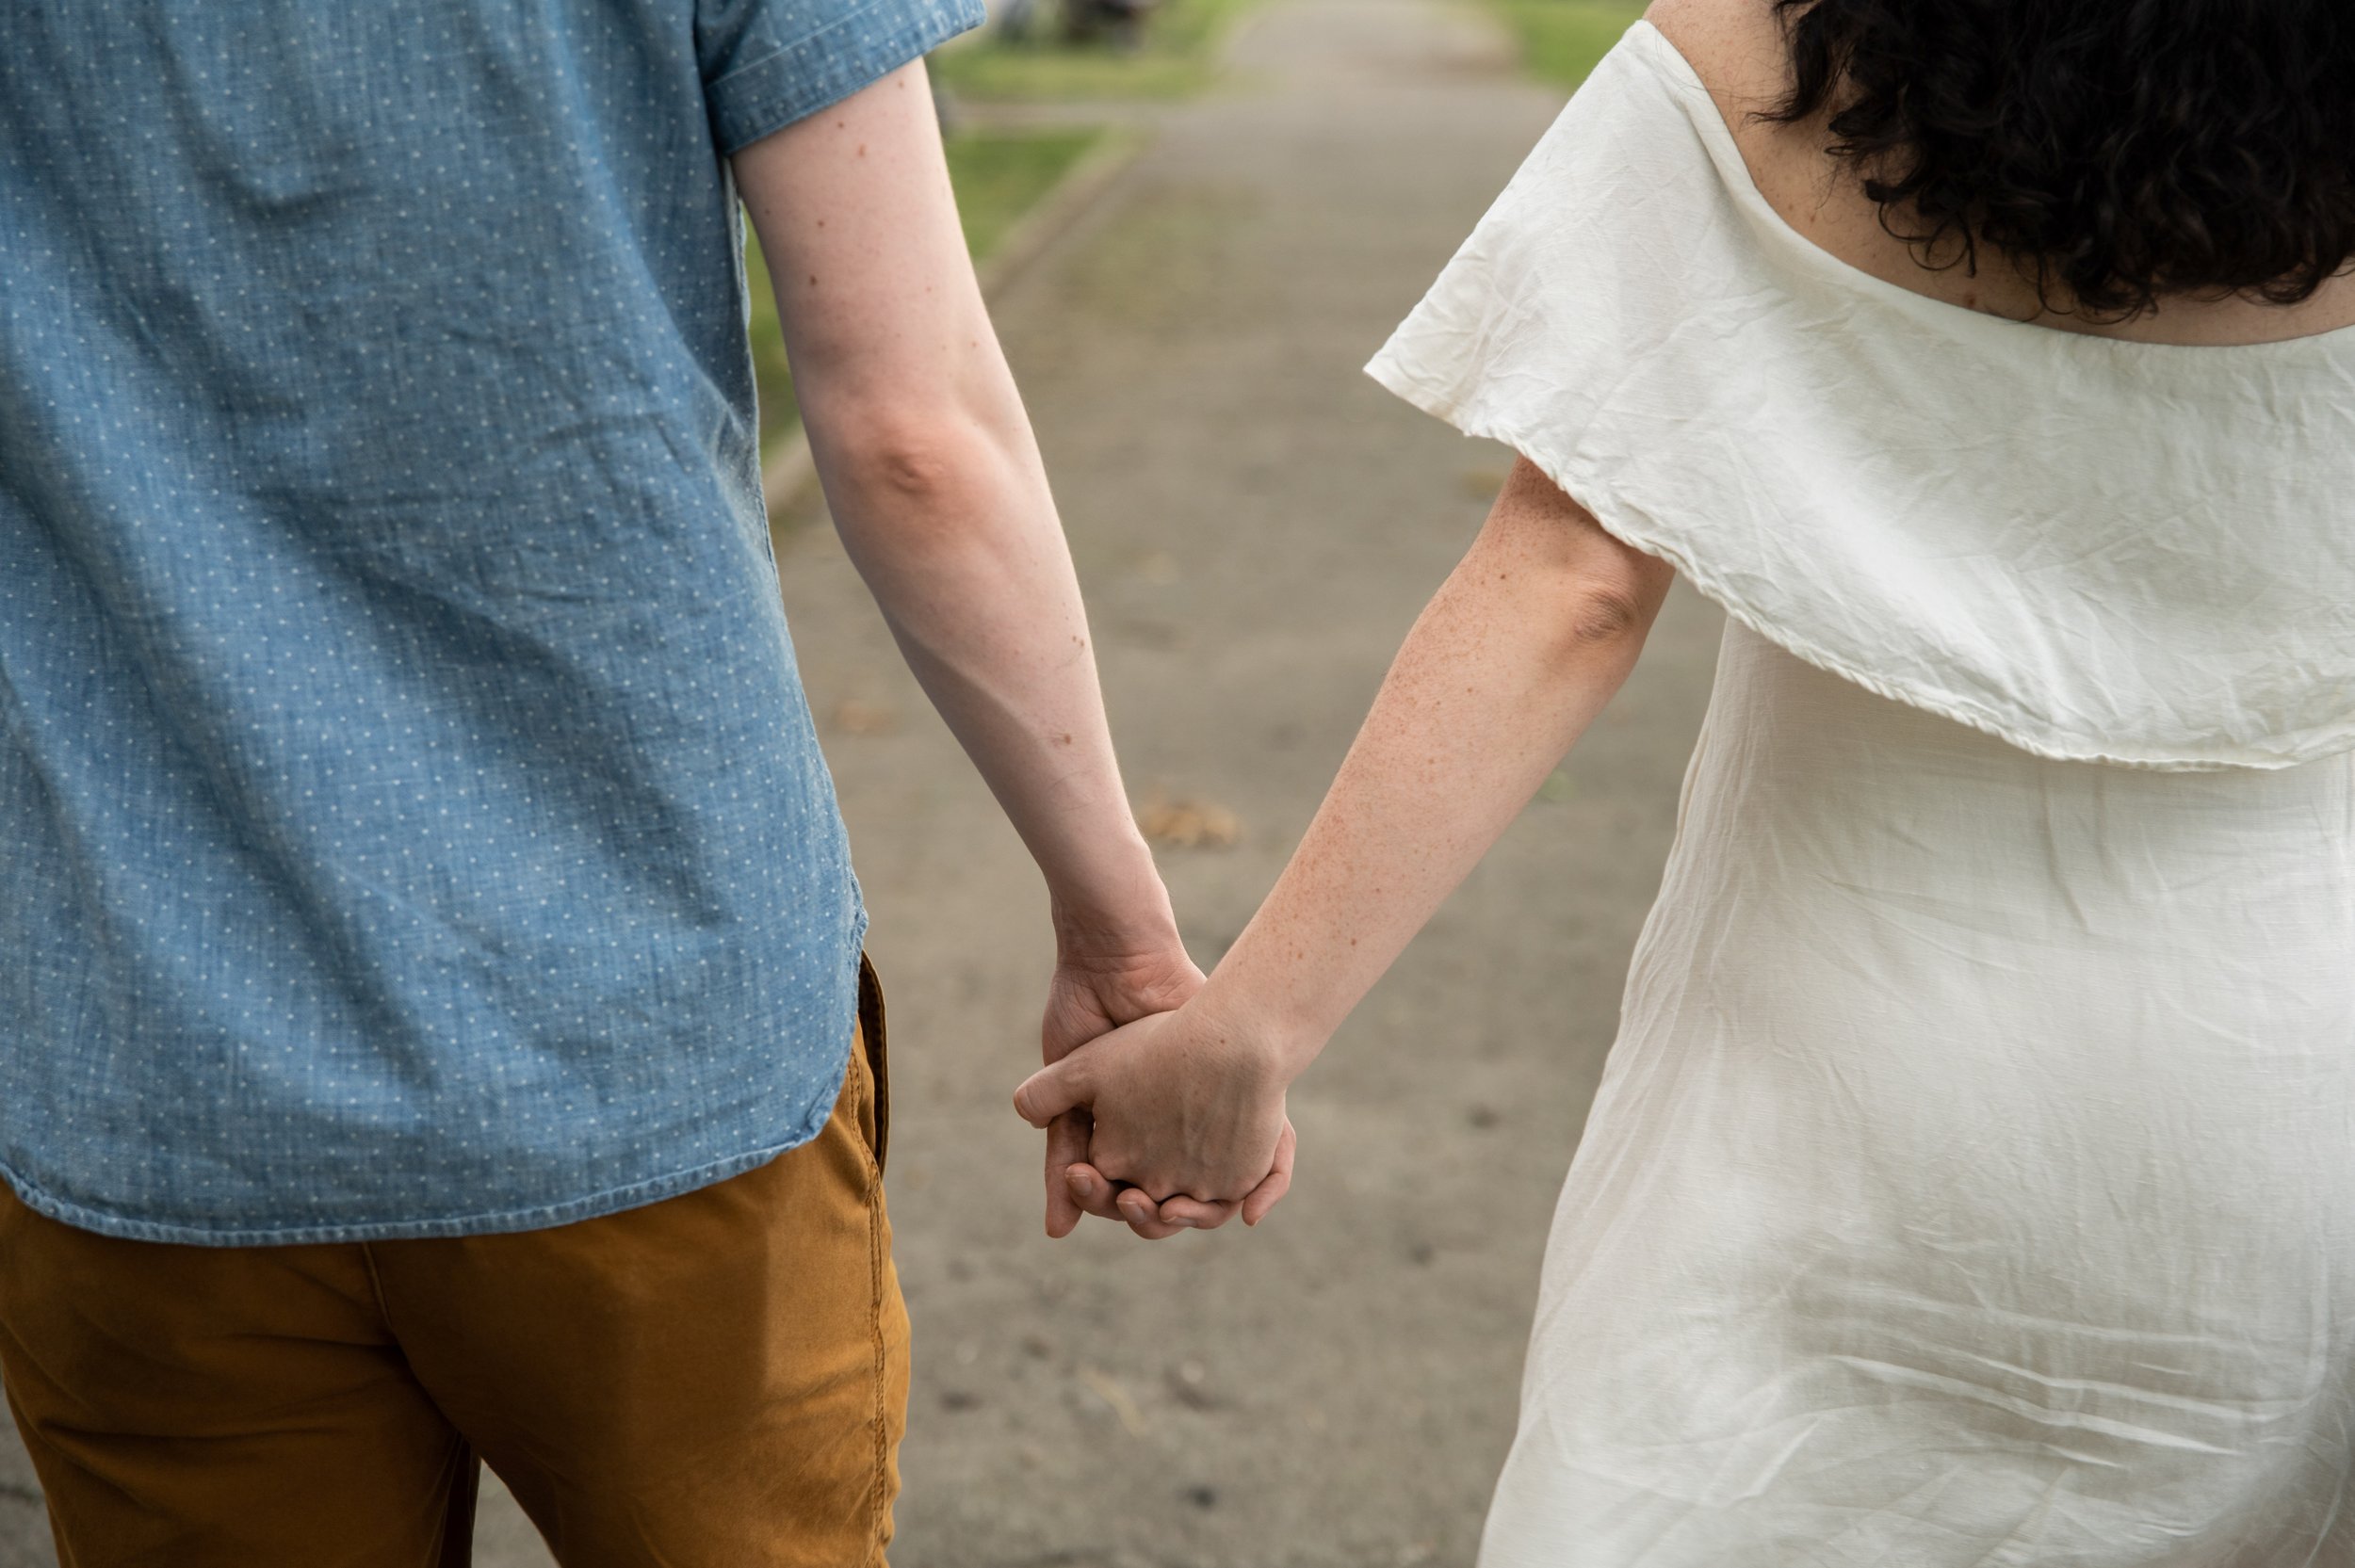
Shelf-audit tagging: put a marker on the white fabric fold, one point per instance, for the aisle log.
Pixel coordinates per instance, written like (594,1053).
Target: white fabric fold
(2095,549)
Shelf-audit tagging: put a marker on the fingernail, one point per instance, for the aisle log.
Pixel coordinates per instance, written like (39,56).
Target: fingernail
(1083,1185)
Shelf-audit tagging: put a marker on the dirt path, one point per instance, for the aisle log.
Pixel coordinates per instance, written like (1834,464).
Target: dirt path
(1256,524)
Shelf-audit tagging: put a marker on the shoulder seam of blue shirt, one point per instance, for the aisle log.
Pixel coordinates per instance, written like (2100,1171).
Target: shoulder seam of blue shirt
(799,79)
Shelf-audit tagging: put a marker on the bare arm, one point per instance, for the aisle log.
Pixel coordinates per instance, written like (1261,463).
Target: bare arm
(1520,649)
(935,484)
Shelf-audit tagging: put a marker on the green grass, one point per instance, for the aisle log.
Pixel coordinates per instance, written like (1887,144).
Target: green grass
(1178,55)
(1560,40)
(999,175)
(1002,175)
(774,377)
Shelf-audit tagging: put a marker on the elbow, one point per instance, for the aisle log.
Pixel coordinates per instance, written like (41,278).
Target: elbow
(1606,598)
(1581,589)
(919,457)
(1604,613)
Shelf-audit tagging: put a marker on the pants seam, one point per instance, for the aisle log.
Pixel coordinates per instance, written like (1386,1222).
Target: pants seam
(376,1287)
(875,1314)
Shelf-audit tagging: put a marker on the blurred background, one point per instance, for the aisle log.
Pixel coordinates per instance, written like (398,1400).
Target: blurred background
(1196,220)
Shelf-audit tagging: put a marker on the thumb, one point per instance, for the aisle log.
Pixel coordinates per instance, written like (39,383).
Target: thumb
(1052,1090)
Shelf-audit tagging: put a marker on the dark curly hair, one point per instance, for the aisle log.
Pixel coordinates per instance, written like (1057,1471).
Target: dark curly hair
(2115,151)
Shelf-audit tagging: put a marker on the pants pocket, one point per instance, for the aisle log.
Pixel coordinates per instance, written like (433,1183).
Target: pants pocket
(876,1122)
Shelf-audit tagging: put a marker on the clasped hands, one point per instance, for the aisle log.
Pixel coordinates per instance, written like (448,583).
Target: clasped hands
(1157,1112)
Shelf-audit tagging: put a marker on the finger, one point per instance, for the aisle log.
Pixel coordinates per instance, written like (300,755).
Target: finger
(1195,1214)
(1070,1023)
(1052,1090)
(1144,1215)
(1154,1230)
(1278,1180)
(1066,1145)
(1094,1191)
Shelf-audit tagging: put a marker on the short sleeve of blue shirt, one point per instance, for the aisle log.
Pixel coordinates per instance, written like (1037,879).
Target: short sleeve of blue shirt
(768,63)
(411,820)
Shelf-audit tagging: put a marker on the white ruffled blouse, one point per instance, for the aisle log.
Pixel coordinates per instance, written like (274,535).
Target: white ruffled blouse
(2094,548)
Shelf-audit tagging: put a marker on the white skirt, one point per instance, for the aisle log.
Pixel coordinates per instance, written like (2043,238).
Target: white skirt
(1973,1180)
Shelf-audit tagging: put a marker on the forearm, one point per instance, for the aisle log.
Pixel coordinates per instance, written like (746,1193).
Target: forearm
(936,486)
(956,535)
(1507,666)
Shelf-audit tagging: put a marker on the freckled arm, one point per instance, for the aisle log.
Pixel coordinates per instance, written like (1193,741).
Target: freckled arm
(937,486)
(1519,651)
(1521,647)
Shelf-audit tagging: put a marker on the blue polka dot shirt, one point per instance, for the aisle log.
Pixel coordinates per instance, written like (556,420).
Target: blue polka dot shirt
(411,823)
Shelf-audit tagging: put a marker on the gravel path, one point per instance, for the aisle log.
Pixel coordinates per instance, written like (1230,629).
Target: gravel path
(1257,524)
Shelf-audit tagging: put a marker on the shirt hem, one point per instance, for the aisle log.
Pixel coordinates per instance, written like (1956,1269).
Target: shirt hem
(817,71)
(536,1217)
(542,1217)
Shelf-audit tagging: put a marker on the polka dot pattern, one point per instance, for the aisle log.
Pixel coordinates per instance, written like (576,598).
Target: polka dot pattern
(411,823)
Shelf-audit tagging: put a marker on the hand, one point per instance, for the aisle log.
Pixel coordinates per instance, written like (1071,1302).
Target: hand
(1100,984)
(1191,1113)
(1154,1220)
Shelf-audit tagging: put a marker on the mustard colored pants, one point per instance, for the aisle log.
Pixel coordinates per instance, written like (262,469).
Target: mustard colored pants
(720,1378)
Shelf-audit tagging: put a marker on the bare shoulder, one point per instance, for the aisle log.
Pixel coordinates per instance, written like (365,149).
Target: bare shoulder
(1741,52)
(1734,46)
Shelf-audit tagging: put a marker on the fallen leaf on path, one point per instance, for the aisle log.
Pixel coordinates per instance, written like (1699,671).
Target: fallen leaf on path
(856,717)
(1106,1389)
(1188,824)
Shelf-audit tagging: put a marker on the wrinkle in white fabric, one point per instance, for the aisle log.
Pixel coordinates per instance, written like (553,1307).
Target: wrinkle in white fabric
(1973,1182)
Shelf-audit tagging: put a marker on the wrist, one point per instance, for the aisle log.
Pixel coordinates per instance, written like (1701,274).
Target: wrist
(1281,1038)
(1117,909)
